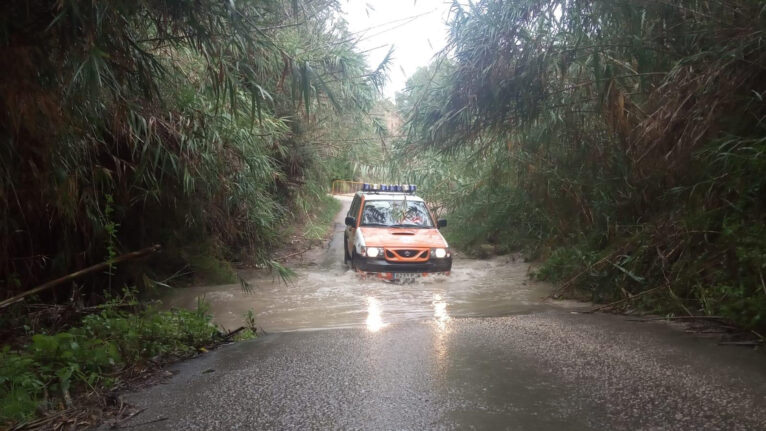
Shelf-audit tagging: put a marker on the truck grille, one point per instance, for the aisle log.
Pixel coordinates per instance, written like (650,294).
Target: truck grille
(407,254)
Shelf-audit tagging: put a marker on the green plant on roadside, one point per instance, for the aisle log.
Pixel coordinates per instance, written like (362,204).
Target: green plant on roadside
(50,370)
(250,331)
(250,320)
(205,261)
(245,334)
(321,219)
(47,370)
(563,262)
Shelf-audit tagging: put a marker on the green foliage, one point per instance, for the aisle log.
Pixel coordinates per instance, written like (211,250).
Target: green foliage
(40,375)
(250,320)
(618,139)
(175,122)
(564,262)
(245,334)
(51,364)
(151,334)
(321,220)
(204,126)
(250,330)
(207,264)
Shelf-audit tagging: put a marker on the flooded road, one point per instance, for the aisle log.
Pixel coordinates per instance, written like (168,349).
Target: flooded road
(327,294)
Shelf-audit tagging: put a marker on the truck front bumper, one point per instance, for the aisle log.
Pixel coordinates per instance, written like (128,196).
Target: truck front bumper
(382,265)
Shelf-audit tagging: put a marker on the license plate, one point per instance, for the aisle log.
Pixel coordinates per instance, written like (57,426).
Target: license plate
(405,275)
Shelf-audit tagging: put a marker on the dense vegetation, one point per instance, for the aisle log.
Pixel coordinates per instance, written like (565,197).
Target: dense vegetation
(205,126)
(622,141)
(52,370)
(200,125)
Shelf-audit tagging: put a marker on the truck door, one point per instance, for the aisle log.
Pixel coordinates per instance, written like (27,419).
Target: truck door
(351,230)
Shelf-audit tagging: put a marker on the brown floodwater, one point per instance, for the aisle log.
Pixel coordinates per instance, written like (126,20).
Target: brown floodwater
(327,294)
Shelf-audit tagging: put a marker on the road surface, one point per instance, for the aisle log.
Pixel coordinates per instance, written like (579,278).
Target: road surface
(480,351)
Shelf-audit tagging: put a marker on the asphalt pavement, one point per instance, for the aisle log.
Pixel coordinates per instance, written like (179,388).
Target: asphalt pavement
(541,371)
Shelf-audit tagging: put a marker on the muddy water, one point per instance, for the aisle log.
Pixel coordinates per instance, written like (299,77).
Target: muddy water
(329,295)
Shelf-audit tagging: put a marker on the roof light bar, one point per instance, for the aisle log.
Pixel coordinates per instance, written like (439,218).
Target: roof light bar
(389,188)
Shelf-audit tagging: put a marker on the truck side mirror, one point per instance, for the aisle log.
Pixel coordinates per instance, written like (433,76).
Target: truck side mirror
(441,222)
(350,221)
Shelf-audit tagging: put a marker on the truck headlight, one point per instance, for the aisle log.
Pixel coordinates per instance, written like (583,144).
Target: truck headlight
(373,252)
(439,253)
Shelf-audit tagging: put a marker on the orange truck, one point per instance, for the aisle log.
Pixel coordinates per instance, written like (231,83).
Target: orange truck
(391,233)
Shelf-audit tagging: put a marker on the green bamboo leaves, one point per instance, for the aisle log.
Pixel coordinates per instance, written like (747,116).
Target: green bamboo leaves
(199,119)
(621,133)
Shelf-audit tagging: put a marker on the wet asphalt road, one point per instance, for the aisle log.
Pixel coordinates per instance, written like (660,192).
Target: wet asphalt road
(536,368)
(540,371)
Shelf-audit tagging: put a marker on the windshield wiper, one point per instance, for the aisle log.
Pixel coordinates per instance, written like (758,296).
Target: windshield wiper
(418,226)
(375,224)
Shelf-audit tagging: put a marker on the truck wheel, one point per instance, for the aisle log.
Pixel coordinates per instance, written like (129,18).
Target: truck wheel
(345,253)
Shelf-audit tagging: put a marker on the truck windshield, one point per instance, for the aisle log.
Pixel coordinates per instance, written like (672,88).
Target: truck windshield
(396,213)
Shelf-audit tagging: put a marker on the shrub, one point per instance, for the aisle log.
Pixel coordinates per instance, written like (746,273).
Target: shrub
(41,374)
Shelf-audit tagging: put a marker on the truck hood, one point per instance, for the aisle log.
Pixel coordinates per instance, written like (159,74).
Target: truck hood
(402,237)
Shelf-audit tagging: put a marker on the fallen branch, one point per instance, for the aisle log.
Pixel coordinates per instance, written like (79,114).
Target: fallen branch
(233,333)
(103,265)
(126,418)
(651,319)
(100,307)
(612,304)
(741,343)
(567,284)
(714,330)
(154,421)
(39,423)
(290,255)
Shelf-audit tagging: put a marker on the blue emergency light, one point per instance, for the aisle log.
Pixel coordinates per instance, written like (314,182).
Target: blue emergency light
(390,188)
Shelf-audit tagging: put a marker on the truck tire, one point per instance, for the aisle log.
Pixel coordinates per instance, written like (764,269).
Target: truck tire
(346,258)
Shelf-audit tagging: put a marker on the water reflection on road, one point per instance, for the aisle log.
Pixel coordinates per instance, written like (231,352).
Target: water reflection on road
(374,315)
(440,312)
